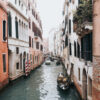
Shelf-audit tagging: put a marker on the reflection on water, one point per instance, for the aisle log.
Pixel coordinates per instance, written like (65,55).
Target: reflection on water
(41,85)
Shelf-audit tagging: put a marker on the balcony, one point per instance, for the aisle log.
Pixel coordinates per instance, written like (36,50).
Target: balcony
(36,30)
(83,19)
(83,29)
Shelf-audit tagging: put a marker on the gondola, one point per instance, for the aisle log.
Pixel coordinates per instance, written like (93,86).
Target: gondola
(58,62)
(63,82)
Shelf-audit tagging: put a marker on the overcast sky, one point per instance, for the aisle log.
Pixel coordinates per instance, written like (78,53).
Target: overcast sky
(50,12)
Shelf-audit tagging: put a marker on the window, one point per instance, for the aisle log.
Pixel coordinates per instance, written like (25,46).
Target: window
(29,41)
(91,1)
(15,1)
(78,50)
(79,74)
(27,56)
(4,62)
(16,28)
(37,45)
(29,24)
(33,26)
(80,1)
(17,66)
(41,47)
(33,59)
(74,48)
(70,49)
(63,46)
(86,47)
(22,6)
(17,50)
(66,41)
(4,30)
(19,2)
(32,43)
(29,6)
(26,11)
(9,25)
(20,61)
(67,66)
(70,26)
(30,56)
(37,58)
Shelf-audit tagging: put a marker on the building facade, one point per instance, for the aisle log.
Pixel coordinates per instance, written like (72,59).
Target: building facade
(55,42)
(45,46)
(35,35)
(78,49)
(3,45)
(18,39)
(52,42)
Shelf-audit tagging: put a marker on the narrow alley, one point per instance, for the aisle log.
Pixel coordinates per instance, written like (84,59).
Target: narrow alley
(41,85)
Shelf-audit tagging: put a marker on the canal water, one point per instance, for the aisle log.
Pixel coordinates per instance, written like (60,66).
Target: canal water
(41,85)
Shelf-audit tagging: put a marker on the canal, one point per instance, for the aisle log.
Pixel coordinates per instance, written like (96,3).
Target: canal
(41,85)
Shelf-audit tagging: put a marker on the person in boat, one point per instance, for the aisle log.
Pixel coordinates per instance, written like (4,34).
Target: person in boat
(61,78)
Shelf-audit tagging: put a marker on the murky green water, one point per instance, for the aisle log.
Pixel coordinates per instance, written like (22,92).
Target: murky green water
(41,85)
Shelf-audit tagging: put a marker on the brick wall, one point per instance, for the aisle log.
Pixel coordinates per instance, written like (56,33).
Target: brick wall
(96,79)
(96,50)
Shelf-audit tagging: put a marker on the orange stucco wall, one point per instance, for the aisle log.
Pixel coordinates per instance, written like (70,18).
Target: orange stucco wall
(3,50)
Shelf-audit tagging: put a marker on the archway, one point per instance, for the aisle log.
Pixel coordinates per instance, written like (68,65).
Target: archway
(84,85)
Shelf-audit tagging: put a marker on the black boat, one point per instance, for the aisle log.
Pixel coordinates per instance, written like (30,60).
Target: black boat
(58,62)
(63,82)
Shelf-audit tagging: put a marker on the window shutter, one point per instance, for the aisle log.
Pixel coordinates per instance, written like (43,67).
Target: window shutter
(9,25)
(66,41)
(16,27)
(4,30)
(70,26)
(78,50)
(29,41)
(70,49)
(74,48)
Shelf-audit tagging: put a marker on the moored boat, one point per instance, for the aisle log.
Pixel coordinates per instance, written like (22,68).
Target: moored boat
(47,62)
(63,82)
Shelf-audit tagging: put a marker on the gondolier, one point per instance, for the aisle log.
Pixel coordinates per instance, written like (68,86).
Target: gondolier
(63,82)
